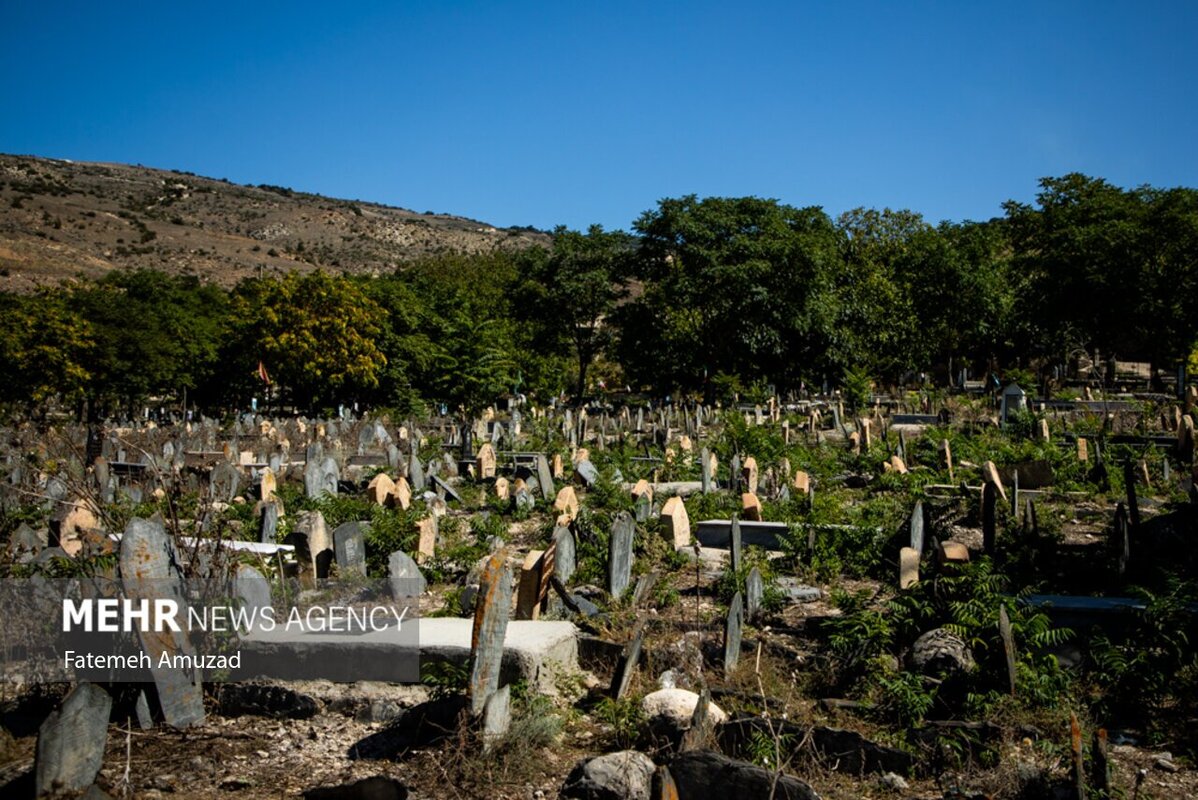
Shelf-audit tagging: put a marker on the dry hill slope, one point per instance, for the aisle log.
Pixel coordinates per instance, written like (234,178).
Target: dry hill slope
(60,219)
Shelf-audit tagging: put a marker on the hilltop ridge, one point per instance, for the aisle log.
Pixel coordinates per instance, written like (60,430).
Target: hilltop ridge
(63,219)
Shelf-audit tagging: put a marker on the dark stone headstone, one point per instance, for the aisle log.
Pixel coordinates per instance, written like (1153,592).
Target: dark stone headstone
(545,478)
(734,545)
(627,665)
(586,472)
(733,628)
(415,472)
(70,743)
(349,547)
(1008,645)
(269,527)
(754,593)
(989,525)
(619,565)
(224,481)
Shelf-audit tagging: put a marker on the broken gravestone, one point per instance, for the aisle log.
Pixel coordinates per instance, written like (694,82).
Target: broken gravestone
(70,743)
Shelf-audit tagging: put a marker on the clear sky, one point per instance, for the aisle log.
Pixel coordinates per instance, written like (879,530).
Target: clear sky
(577,113)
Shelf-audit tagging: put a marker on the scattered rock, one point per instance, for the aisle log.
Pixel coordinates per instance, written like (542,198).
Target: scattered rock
(669,711)
(703,773)
(376,788)
(626,775)
(940,652)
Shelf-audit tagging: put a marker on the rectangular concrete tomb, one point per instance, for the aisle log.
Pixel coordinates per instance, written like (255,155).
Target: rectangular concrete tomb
(718,533)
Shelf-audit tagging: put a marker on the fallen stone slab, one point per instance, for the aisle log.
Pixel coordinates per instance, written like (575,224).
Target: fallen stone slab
(704,773)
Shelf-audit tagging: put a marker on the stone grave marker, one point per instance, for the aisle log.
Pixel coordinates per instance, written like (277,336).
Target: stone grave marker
(1122,543)
(1083,450)
(750,507)
(503,490)
(380,489)
(71,741)
(566,502)
(734,474)
(619,567)
(908,567)
(565,556)
(149,571)
(749,474)
(734,545)
(491,611)
(267,485)
(733,629)
(312,541)
(627,665)
(349,547)
(544,478)
(402,494)
(251,588)
(534,582)
(223,482)
(486,461)
(989,526)
(1133,504)
(497,717)
(585,472)
(754,593)
(705,471)
(404,576)
(426,546)
(678,523)
(445,490)
(1008,645)
(416,472)
(643,507)
(946,456)
(917,528)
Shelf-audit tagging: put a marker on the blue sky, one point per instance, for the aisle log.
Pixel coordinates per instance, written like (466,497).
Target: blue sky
(573,113)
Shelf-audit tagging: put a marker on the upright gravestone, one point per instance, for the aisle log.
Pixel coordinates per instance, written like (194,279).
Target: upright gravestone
(71,741)
(734,474)
(415,472)
(1133,504)
(150,572)
(754,593)
(251,589)
(269,525)
(545,478)
(491,612)
(1122,541)
(497,717)
(705,471)
(349,547)
(310,536)
(224,481)
(989,526)
(619,567)
(1008,645)
(917,528)
(734,545)
(404,576)
(565,558)
(733,629)
(678,525)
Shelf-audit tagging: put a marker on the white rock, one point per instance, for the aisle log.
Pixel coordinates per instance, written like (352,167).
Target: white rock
(677,706)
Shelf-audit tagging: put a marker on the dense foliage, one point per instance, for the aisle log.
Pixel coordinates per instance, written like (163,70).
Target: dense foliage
(706,296)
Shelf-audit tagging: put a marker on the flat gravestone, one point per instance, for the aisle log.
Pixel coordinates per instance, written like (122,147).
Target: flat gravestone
(70,743)
(733,629)
(565,557)
(619,565)
(149,571)
(754,593)
(491,611)
(404,576)
(349,547)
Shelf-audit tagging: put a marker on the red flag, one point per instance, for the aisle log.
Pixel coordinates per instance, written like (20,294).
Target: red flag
(262,373)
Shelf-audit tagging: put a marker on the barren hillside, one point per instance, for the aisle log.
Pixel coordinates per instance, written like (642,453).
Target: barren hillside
(61,219)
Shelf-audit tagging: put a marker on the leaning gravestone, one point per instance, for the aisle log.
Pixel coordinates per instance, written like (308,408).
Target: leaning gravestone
(734,628)
(585,471)
(627,665)
(404,576)
(349,547)
(70,743)
(545,478)
(251,588)
(150,571)
(415,473)
(619,566)
(491,611)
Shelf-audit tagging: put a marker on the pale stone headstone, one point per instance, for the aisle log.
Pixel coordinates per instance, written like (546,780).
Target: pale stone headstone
(534,583)
(544,478)
(416,472)
(750,507)
(224,481)
(749,473)
(486,461)
(908,567)
(251,588)
(990,475)
(311,538)
(1083,450)
(989,523)
(565,557)
(619,568)
(380,489)
(677,522)
(802,482)
(268,485)
(917,528)
(426,546)
(566,502)
(402,494)
(585,472)
(491,612)
(503,490)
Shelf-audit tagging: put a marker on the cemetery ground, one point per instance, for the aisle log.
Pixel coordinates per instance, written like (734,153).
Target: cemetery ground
(911,600)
